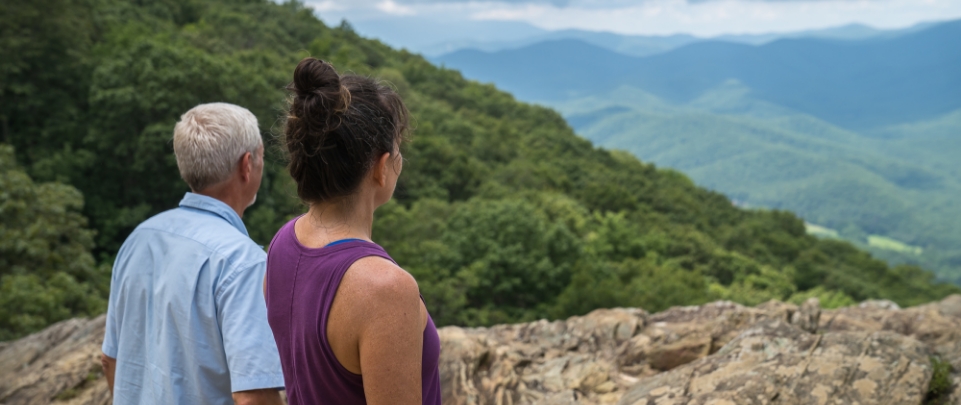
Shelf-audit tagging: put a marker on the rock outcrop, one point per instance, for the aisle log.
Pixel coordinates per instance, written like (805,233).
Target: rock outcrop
(59,365)
(718,353)
(773,362)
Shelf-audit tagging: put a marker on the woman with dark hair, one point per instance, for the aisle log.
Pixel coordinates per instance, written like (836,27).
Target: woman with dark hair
(350,324)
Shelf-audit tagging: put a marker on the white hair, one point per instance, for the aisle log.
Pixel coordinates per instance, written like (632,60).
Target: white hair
(209,141)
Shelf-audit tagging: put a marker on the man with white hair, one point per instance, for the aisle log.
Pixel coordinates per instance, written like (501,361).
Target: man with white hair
(186,320)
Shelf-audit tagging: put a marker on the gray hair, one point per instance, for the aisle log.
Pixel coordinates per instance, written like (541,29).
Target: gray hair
(209,141)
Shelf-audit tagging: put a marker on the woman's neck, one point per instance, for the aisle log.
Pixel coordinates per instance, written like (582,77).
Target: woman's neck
(342,220)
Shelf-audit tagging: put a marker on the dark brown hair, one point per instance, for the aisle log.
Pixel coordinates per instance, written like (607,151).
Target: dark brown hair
(336,127)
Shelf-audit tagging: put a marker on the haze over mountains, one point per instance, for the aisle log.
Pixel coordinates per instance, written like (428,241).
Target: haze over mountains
(435,38)
(859,134)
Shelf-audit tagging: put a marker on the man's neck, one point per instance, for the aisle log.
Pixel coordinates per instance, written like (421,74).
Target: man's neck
(228,194)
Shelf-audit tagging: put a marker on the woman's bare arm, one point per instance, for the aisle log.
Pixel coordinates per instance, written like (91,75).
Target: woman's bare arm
(391,338)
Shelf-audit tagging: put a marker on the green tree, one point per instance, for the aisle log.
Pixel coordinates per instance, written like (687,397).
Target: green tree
(518,260)
(46,270)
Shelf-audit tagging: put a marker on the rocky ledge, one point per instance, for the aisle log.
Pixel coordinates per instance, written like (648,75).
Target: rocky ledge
(718,353)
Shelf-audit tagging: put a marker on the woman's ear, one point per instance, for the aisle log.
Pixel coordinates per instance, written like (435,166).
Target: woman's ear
(380,168)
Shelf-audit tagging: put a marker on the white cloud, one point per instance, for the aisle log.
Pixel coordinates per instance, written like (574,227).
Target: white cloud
(656,17)
(328,5)
(392,8)
(526,12)
(711,18)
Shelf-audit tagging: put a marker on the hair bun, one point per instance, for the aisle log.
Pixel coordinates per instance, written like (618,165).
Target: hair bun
(336,127)
(322,96)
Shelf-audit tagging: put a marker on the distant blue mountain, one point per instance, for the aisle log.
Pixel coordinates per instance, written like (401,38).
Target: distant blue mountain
(633,45)
(551,70)
(858,84)
(434,37)
(419,34)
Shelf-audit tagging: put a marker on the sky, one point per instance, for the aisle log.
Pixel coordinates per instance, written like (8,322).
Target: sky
(703,18)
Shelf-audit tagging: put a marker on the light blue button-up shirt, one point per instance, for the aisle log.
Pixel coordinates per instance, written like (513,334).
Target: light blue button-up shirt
(186,320)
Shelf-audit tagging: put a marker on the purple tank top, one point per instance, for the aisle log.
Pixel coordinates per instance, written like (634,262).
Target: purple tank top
(301,284)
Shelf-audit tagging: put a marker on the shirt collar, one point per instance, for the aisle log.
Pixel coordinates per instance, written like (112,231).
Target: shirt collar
(216,207)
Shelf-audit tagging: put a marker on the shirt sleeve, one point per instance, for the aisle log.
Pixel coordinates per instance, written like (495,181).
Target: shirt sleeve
(112,327)
(252,356)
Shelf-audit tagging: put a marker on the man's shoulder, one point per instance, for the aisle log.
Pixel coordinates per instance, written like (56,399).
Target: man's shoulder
(202,229)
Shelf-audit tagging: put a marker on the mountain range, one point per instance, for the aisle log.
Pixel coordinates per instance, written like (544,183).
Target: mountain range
(855,84)
(434,38)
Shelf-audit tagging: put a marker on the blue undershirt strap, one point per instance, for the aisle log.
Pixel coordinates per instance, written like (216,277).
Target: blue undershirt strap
(337,242)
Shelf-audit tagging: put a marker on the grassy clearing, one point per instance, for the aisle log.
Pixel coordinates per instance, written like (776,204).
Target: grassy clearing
(821,231)
(875,241)
(882,242)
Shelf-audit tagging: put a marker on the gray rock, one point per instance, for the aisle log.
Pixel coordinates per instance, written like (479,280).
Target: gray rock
(808,316)
(775,362)
(541,362)
(880,304)
(951,306)
(60,364)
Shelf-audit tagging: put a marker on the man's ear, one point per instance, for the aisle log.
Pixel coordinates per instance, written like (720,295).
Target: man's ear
(246,166)
(379,171)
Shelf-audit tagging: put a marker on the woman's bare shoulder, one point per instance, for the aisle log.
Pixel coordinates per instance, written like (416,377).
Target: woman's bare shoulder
(380,282)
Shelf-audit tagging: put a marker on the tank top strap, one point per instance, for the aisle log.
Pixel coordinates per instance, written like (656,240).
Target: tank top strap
(343,255)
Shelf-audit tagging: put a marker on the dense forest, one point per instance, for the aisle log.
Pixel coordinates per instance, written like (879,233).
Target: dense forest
(502,213)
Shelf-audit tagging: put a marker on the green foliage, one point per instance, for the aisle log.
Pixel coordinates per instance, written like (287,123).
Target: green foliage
(46,271)
(517,257)
(828,299)
(631,283)
(502,214)
(939,389)
(763,284)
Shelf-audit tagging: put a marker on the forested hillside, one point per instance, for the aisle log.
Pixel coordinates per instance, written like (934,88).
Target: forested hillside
(502,213)
(858,136)
(899,184)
